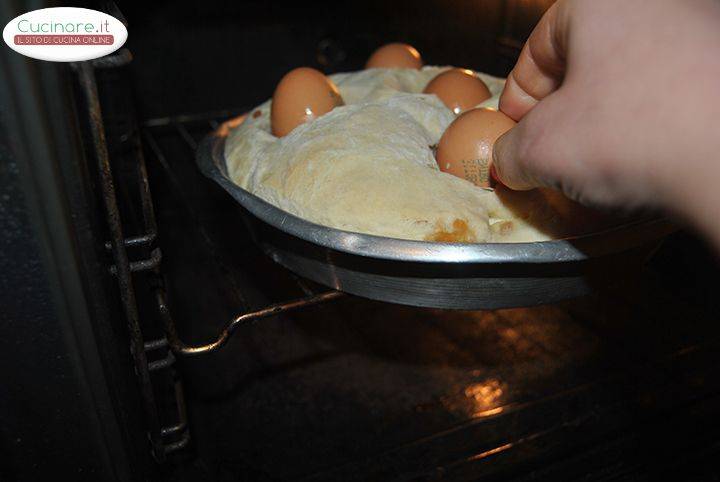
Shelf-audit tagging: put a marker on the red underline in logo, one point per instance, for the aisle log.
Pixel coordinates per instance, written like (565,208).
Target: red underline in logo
(46,39)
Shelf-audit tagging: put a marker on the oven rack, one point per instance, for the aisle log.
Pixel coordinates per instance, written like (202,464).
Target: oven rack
(170,438)
(163,439)
(177,123)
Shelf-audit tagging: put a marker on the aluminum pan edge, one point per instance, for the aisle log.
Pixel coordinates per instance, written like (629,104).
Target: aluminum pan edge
(210,158)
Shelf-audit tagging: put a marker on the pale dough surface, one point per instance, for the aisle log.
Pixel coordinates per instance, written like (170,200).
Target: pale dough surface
(368,167)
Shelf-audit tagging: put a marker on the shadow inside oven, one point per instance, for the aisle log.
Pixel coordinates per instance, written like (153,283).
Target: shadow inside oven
(364,390)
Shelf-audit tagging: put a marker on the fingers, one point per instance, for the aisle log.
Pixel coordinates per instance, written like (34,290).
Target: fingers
(541,65)
(527,156)
(519,156)
(506,165)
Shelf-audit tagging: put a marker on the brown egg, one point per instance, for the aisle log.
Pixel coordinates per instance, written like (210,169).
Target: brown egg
(465,149)
(395,55)
(459,89)
(302,95)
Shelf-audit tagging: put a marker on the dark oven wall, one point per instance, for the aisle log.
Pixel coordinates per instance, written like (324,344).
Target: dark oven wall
(198,56)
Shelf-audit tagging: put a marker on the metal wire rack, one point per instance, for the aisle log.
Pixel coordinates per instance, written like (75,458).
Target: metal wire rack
(163,439)
(177,345)
(163,351)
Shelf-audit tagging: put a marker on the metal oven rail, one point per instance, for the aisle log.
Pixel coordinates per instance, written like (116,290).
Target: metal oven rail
(176,343)
(163,439)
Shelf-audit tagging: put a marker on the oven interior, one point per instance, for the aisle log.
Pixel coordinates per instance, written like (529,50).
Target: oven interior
(619,385)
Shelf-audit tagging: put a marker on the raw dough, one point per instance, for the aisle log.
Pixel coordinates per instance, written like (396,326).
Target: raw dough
(368,167)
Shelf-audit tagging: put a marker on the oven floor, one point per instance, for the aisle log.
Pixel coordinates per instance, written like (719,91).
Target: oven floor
(619,384)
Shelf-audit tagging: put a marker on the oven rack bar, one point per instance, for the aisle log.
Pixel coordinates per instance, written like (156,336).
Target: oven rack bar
(181,348)
(123,268)
(178,346)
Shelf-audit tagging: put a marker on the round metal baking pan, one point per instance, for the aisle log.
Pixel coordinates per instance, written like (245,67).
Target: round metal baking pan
(441,275)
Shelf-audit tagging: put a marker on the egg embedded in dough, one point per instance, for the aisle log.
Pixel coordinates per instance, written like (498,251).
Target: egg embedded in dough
(459,89)
(303,94)
(395,56)
(465,149)
(369,166)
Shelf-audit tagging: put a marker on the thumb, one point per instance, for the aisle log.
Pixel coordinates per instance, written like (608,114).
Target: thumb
(530,154)
(505,166)
(515,164)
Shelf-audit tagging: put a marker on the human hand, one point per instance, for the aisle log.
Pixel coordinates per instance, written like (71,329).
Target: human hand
(618,103)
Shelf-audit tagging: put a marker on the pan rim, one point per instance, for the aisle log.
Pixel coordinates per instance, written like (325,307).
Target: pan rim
(210,157)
